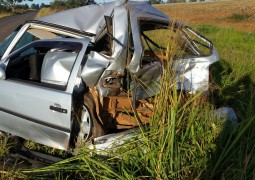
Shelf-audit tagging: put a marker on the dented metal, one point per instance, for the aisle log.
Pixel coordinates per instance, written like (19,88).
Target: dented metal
(118,69)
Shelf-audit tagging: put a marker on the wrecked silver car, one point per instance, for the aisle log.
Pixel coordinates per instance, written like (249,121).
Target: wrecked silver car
(82,73)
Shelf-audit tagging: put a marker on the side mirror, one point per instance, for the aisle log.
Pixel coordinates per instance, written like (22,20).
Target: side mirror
(2,73)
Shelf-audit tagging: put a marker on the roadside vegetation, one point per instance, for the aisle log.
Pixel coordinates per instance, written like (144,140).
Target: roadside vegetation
(185,140)
(12,7)
(60,5)
(5,14)
(46,11)
(8,11)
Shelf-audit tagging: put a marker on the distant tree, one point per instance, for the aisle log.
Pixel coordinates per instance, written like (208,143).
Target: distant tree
(35,6)
(155,1)
(42,5)
(21,7)
(12,3)
(68,4)
(58,5)
(171,1)
(78,3)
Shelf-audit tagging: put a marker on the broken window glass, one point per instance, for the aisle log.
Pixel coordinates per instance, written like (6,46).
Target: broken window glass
(180,42)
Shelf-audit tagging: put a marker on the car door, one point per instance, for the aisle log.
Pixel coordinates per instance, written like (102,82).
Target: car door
(36,96)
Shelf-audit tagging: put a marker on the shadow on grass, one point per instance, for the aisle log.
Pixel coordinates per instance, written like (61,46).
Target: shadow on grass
(227,90)
(234,156)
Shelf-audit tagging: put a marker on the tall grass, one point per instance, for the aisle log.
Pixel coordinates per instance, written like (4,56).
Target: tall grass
(46,12)
(184,139)
(178,143)
(234,74)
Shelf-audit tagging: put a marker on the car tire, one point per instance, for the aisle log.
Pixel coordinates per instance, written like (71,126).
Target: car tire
(89,125)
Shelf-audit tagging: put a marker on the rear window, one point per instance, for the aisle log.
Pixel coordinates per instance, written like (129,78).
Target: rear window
(181,42)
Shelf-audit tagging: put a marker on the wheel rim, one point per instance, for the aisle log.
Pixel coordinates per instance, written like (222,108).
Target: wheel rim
(85,125)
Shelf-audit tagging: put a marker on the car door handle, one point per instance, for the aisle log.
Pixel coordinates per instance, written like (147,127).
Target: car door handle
(58,109)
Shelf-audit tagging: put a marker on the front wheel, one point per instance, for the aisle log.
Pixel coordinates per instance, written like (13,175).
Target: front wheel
(89,126)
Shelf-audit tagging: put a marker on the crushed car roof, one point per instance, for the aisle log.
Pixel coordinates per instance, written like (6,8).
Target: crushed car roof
(90,19)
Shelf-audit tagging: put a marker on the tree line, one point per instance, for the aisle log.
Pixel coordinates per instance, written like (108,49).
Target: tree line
(68,4)
(13,5)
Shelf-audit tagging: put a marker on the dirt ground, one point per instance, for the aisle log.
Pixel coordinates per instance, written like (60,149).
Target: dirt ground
(238,14)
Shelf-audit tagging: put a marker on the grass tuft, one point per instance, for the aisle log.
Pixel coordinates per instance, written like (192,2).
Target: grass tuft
(45,12)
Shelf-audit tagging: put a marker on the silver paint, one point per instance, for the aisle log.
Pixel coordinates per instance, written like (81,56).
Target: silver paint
(57,66)
(2,73)
(32,102)
(93,69)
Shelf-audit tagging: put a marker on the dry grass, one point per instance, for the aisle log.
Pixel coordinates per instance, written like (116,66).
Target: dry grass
(45,12)
(237,14)
(4,14)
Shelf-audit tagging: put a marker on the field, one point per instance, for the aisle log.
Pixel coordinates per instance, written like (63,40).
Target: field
(184,140)
(237,14)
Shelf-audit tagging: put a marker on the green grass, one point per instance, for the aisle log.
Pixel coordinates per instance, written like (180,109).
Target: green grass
(239,17)
(184,140)
(234,75)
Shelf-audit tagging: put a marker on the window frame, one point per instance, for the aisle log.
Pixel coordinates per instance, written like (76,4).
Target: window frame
(24,29)
(182,29)
(78,58)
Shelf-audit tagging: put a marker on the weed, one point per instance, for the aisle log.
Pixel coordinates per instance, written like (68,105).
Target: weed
(178,143)
(238,17)
(184,140)
(45,12)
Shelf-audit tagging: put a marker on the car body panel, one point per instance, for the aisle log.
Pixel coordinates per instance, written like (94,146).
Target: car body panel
(111,66)
(26,107)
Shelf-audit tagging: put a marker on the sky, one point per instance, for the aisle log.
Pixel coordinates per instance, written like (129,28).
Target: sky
(49,1)
(37,2)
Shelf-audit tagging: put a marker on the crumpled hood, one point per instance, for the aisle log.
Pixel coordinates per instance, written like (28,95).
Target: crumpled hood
(90,18)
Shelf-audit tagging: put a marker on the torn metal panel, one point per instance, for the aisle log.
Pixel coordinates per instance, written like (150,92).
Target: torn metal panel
(147,81)
(141,11)
(112,141)
(91,18)
(192,74)
(93,69)
(104,145)
(109,84)
(120,32)
(87,18)
(119,71)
